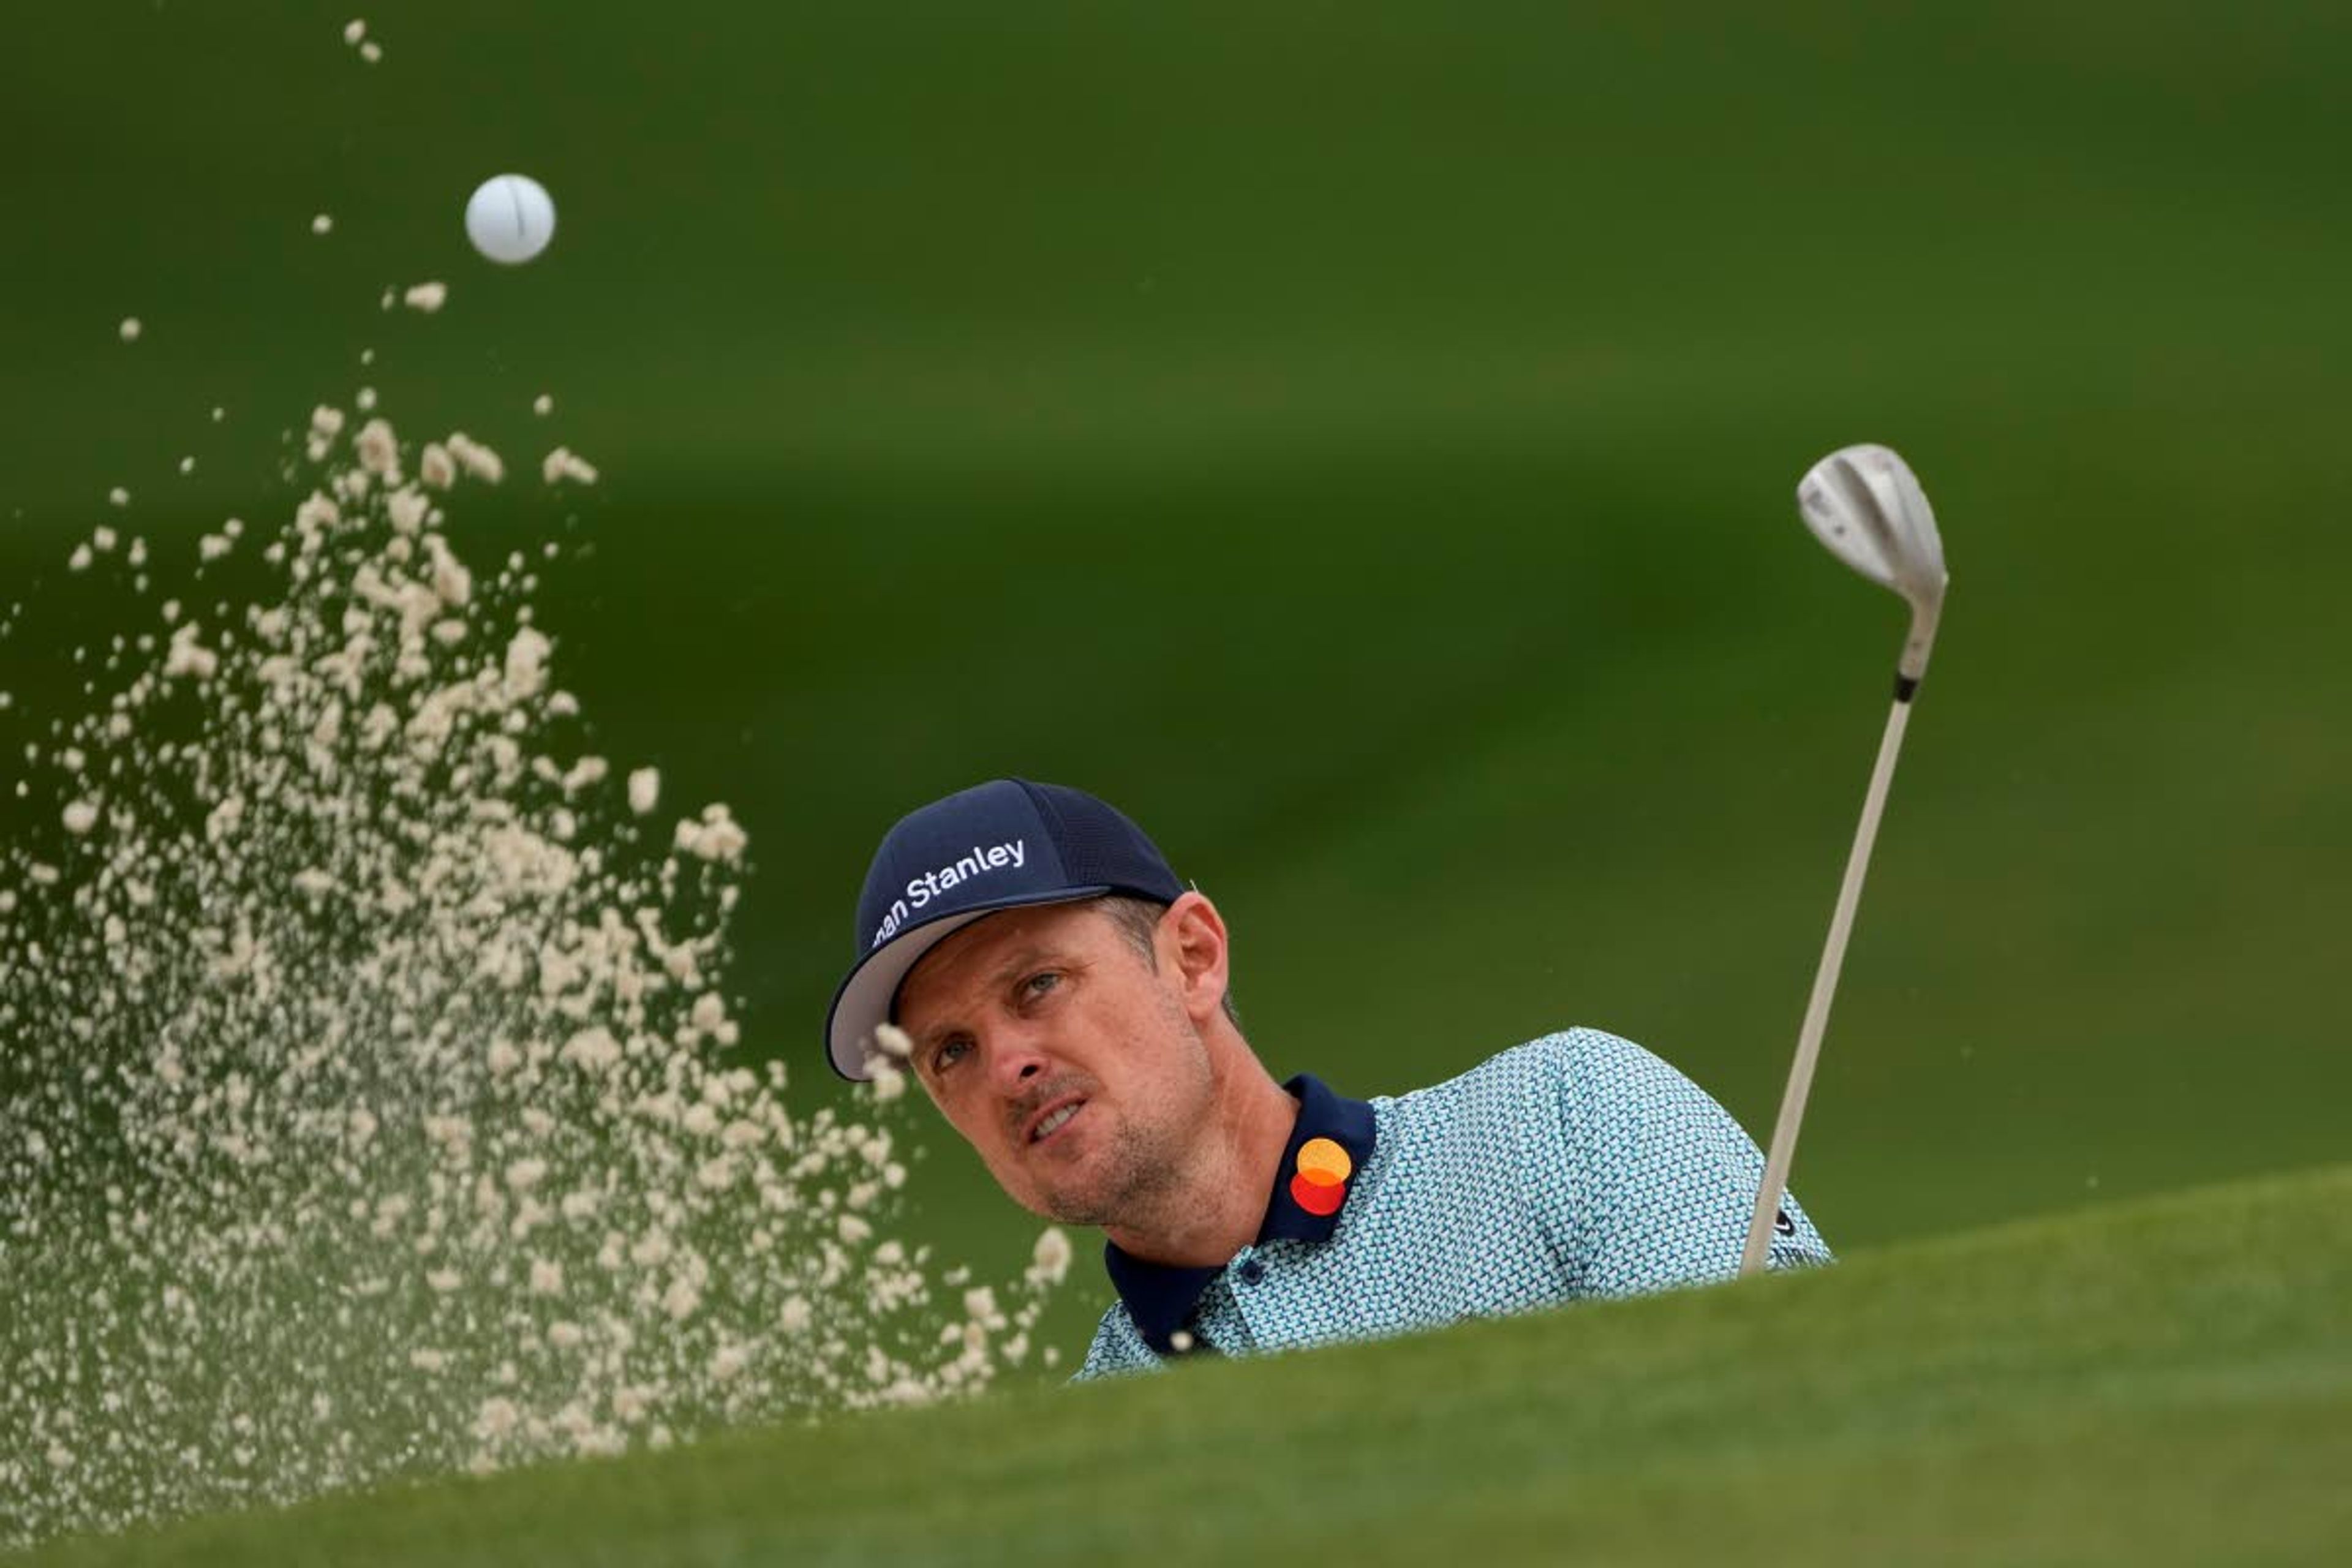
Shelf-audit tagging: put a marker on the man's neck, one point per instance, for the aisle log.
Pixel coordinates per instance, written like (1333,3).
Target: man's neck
(1219,1205)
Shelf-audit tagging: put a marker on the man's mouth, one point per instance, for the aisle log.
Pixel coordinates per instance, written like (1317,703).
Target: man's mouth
(1053,1121)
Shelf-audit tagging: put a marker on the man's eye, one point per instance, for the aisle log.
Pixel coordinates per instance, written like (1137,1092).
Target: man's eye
(1037,984)
(949,1053)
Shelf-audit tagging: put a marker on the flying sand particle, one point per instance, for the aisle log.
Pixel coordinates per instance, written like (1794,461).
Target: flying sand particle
(476,459)
(378,450)
(563,464)
(645,790)
(1050,1259)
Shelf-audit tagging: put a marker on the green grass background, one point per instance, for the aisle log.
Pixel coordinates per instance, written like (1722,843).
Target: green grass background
(1358,441)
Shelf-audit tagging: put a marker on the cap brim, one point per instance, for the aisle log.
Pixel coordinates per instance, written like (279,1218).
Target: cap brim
(863,1003)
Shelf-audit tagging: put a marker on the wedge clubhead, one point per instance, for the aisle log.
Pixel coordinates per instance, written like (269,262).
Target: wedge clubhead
(1867,505)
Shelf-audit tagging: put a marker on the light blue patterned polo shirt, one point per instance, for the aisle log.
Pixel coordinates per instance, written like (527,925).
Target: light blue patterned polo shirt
(1576,1165)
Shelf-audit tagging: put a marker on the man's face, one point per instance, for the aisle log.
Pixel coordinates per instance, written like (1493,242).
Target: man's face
(1063,1057)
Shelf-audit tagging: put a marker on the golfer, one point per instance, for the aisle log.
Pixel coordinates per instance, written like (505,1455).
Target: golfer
(1066,1001)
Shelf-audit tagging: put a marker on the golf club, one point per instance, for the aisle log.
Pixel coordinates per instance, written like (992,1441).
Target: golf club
(1864,503)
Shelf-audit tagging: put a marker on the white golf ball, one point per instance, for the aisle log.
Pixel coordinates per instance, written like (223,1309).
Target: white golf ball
(510,219)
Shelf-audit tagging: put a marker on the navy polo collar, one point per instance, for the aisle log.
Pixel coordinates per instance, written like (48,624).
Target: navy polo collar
(1160,1297)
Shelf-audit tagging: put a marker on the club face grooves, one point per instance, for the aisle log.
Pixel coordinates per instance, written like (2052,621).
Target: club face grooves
(1870,546)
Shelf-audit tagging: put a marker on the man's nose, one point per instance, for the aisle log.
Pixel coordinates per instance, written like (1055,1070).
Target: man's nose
(1016,1061)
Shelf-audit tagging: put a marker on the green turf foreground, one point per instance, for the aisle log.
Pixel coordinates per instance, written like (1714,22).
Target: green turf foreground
(2163,1381)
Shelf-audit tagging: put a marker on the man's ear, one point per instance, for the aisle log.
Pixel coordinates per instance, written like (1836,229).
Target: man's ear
(1192,942)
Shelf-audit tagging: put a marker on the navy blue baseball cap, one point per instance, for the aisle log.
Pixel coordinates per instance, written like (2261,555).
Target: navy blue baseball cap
(1002,845)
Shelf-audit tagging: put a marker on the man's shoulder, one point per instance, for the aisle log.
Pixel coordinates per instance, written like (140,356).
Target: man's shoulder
(1579,1087)
(1578,1055)
(1534,1093)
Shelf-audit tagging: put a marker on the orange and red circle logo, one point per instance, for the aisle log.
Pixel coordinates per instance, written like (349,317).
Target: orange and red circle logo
(1320,1186)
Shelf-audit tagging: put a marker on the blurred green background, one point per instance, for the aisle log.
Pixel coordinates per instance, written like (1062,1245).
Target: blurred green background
(1358,441)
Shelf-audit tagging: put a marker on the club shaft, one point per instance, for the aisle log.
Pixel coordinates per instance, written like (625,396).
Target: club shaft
(1817,1012)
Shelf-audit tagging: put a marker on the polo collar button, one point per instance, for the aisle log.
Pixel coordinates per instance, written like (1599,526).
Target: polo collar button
(1252,1271)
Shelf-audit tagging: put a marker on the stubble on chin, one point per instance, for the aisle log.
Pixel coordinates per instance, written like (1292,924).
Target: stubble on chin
(1101,1202)
(1137,1176)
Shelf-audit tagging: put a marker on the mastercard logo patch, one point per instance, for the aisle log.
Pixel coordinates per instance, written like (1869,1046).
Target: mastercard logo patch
(1320,1184)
